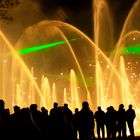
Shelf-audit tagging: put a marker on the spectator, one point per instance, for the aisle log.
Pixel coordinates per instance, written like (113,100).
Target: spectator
(75,123)
(100,122)
(86,122)
(130,113)
(110,122)
(121,120)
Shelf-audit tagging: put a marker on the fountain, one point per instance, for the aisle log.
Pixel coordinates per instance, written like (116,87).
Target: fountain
(55,62)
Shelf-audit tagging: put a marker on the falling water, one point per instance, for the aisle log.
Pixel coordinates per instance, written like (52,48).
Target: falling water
(73,68)
(74,91)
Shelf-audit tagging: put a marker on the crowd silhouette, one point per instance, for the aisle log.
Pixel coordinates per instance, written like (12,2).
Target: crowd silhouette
(60,123)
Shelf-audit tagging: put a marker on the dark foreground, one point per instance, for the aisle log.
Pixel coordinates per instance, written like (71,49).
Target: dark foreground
(136,138)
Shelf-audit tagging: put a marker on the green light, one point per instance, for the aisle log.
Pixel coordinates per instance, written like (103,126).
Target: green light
(135,49)
(41,47)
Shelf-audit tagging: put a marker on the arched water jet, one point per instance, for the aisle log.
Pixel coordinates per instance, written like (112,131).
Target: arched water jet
(78,65)
(131,22)
(129,27)
(105,89)
(102,65)
(126,89)
(94,47)
(103,26)
(19,61)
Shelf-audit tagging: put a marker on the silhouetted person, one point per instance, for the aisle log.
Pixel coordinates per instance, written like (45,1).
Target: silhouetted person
(54,109)
(121,119)
(45,123)
(100,122)
(76,122)
(4,120)
(86,122)
(57,120)
(28,128)
(16,109)
(36,114)
(15,115)
(53,120)
(15,123)
(130,113)
(2,104)
(110,121)
(68,113)
(68,122)
(4,113)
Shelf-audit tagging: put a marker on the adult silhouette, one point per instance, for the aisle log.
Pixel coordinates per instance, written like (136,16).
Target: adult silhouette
(110,121)
(68,122)
(45,123)
(28,128)
(130,113)
(15,123)
(100,122)
(76,123)
(68,113)
(4,120)
(121,120)
(4,113)
(36,115)
(86,122)
(54,109)
(57,120)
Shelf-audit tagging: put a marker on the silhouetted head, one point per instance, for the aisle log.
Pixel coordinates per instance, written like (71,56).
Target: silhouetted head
(108,108)
(85,105)
(76,110)
(2,104)
(65,105)
(121,106)
(16,109)
(44,110)
(130,106)
(99,108)
(33,107)
(111,108)
(55,104)
(25,115)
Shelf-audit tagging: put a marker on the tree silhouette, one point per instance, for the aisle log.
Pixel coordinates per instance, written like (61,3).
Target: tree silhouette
(5,5)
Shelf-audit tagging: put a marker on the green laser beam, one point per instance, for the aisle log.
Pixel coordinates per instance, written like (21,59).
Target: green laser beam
(134,49)
(41,47)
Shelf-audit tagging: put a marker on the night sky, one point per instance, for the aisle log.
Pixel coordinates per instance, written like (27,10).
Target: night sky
(79,13)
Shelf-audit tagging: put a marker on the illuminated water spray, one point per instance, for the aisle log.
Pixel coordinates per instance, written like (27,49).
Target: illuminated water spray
(68,67)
